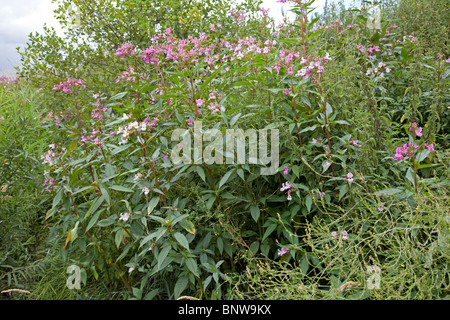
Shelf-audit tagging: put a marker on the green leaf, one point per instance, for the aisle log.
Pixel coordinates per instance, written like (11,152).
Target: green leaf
(390,191)
(192,266)
(254,247)
(308,202)
(342,190)
(201,172)
(94,219)
(325,166)
(180,285)
(404,53)
(121,188)
(162,256)
(312,128)
(376,37)
(341,122)
(74,232)
(106,222)
(105,194)
(254,210)
(118,237)
(225,178)
(240,173)
(210,202)
(181,239)
(118,96)
(120,149)
(188,226)
(57,198)
(422,155)
(152,204)
(269,230)
(220,245)
(234,119)
(304,265)
(410,175)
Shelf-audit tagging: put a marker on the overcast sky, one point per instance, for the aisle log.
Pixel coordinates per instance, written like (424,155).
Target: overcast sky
(18,18)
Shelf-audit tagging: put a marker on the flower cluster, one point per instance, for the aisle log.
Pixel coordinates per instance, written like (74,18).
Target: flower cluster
(69,85)
(312,64)
(94,137)
(238,16)
(282,251)
(57,118)
(135,126)
(369,51)
(126,49)
(417,130)
(411,38)
(354,142)
(335,235)
(98,113)
(265,12)
(407,150)
(349,177)
(124,216)
(378,71)
(48,182)
(287,187)
(129,75)
(49,157)
(394,26)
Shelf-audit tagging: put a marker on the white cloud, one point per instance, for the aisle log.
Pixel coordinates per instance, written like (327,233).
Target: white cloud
(18,18)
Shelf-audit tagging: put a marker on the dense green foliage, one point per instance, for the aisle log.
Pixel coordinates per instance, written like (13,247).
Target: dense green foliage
(363,179)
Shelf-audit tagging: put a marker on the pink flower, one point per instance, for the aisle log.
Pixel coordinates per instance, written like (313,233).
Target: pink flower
(190,122)
(282,251)
(418,131)
(327,57)
(286,91)
(265,12)
(124,216)
(286,186)
(429,147)
(413,126)
(213,107)
(349,177)
(290,71)
(399,157)
(125,49)
(344,235)
(286,170)
(199,102)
